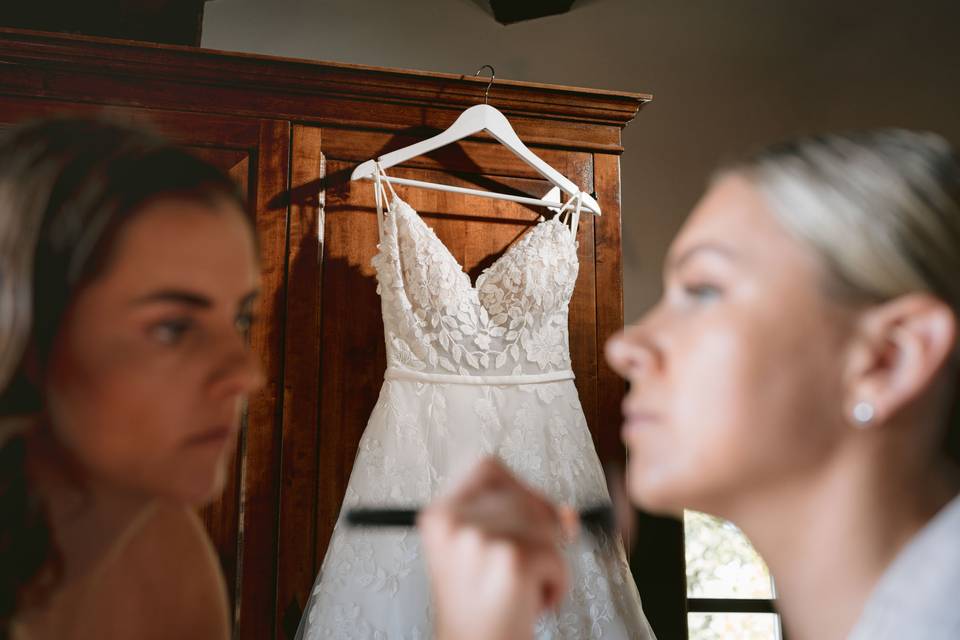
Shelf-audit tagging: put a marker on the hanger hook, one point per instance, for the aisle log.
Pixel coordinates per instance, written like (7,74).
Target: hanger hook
(493,74)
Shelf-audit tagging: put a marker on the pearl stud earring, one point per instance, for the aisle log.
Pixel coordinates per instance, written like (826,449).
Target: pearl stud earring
(863,413)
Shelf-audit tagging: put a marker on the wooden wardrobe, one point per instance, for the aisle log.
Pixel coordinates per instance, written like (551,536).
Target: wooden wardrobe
(290,131)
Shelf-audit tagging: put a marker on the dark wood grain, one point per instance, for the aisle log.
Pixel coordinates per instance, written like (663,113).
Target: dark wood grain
(609,276)
(583,324)
(99,69)
(261,459)
(203,130)
(272,75)
(353,352)
(222,517)
(301,384)
(480,157)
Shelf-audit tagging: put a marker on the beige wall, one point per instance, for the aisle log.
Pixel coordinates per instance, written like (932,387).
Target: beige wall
(727,74)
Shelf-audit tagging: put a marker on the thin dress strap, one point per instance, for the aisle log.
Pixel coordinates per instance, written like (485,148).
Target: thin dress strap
(380,195)
(572,212)
(386,180)
(576,214)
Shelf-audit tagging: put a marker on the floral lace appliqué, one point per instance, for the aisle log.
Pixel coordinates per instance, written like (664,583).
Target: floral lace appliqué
(512,322)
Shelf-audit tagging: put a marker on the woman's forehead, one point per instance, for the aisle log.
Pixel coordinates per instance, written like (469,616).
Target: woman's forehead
(172,243)
(735,219)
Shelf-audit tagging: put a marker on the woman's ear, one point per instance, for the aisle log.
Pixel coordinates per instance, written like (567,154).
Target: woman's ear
(899,348)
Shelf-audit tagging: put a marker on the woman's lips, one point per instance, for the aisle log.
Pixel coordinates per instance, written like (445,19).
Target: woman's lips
(216,435)
(634,421)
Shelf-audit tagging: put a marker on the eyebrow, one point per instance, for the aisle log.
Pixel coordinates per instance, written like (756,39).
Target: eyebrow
(189,298)
(675,262)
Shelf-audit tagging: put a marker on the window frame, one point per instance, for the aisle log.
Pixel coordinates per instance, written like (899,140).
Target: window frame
(658,564)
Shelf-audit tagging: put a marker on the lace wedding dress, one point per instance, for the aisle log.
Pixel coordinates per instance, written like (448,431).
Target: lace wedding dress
(471,370)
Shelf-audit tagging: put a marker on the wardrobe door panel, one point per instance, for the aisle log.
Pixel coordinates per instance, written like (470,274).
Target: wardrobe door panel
(261,453)
(352,356)
(301,383)
(609,309)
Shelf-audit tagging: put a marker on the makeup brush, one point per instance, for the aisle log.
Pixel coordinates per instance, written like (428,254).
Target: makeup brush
(594,518)
(616,517)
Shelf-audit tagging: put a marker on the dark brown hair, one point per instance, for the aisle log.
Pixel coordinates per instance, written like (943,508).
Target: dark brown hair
(68,186)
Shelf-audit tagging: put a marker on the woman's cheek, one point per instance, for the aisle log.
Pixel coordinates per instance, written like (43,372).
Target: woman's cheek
(708,381)
(142,429)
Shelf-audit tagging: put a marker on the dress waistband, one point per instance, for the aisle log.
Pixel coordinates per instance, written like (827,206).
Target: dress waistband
(394,373)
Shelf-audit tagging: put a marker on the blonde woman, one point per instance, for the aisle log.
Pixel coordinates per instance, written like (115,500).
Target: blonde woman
(798,377)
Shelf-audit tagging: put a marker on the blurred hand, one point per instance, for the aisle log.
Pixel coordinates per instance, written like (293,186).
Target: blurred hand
(493,550)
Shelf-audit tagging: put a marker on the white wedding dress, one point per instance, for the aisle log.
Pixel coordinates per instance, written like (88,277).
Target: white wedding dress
(471,370)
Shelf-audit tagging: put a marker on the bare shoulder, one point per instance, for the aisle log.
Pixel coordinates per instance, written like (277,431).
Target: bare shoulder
(171,580)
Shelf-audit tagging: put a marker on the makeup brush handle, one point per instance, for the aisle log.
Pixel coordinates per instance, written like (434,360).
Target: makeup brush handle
(594,517)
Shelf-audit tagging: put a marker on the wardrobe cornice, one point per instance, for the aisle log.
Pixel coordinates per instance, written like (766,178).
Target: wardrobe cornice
(88,68)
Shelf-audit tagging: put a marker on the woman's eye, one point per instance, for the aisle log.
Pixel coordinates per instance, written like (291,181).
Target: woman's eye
(702,291)
(243,322)
(170,332)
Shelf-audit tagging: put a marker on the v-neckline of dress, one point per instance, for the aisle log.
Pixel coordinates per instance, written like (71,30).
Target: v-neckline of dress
(475,285)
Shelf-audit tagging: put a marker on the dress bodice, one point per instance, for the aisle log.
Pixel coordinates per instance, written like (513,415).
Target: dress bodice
(511,323)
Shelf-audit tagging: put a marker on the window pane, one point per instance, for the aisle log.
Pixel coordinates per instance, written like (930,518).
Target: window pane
(733,626)
(721,562)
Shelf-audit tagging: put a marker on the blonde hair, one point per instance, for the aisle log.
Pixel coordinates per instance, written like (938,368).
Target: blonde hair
(880,208)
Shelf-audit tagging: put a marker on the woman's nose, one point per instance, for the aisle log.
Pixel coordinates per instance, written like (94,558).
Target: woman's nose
(240,372)
(629,353)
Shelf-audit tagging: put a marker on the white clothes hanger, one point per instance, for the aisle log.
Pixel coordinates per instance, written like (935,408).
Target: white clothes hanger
(567,212)
(480,117)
